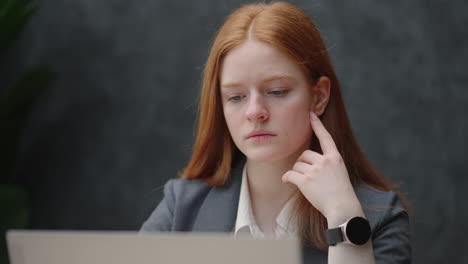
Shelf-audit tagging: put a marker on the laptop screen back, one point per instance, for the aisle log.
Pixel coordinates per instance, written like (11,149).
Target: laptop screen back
(77,247)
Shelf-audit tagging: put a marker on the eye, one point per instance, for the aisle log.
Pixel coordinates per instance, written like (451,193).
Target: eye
(236,98)
(278,92)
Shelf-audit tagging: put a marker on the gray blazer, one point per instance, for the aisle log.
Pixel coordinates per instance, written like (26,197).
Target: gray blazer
(194,206)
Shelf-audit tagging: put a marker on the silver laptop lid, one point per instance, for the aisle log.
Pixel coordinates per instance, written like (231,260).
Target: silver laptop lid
(105,247)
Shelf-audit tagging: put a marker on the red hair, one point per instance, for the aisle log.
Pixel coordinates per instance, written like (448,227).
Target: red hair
(289,29)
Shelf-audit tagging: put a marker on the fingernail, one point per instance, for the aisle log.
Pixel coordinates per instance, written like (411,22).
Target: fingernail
(313,115)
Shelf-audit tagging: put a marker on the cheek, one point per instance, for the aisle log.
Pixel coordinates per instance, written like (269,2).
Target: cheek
(296,120)
(231,121)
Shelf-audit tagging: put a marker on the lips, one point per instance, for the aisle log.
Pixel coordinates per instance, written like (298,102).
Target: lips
(260,133)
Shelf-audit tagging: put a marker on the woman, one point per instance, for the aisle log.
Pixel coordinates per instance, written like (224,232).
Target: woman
(274,152)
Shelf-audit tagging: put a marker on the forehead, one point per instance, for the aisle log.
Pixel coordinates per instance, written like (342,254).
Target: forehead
(255,61)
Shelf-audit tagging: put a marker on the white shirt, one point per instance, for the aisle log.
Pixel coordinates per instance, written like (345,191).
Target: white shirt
(245,220)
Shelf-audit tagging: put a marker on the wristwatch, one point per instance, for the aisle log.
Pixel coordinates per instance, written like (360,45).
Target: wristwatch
(355,231)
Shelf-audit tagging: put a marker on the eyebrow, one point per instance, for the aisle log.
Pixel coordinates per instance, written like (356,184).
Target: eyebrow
(269,79)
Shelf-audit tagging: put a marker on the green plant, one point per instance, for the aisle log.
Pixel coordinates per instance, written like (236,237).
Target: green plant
(15,105)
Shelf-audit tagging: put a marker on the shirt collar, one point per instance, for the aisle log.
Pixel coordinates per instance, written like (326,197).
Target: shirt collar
(245,221)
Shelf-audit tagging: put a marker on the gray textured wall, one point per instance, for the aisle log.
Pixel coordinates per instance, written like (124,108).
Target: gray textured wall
(119,120)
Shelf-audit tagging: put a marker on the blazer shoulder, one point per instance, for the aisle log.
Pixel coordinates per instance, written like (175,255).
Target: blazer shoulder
(389,222)
(379,206)
(375,197)
(186,190)
(181,201)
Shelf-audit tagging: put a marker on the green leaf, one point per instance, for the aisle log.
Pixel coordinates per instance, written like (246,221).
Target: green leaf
(25,92)
(5,6)
(15,107)
(13,17)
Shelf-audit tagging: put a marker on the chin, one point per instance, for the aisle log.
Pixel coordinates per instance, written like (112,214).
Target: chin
(264,156)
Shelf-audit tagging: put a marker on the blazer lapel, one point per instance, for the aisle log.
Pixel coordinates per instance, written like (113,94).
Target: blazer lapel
(219,209)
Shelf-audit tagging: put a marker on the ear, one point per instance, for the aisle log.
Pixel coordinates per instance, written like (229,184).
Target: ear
(320,95)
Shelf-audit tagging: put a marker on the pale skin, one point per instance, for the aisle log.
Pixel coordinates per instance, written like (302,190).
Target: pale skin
(263,89)
(324,181)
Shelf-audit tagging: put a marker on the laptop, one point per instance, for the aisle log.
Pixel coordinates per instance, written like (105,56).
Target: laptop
(110,247)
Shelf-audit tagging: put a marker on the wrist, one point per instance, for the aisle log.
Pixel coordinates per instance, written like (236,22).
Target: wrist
(355,231)
(343,214)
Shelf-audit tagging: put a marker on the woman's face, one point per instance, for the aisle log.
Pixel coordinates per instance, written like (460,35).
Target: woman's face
(266,100)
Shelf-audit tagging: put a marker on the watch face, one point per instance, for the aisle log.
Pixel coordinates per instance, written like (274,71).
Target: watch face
(358,230)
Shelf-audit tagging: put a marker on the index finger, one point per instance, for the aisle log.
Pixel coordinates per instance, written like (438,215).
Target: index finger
(325,139)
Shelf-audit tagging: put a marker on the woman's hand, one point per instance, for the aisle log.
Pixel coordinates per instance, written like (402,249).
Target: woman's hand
(323,179)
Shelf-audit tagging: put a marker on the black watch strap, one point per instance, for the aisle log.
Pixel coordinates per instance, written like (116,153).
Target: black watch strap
(334,236)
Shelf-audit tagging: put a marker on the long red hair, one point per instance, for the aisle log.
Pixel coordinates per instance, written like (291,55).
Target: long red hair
(290,30)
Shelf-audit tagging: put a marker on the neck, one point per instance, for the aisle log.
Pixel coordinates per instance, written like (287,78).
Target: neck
(265,183)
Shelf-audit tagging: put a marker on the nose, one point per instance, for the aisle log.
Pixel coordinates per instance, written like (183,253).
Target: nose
(256,109)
